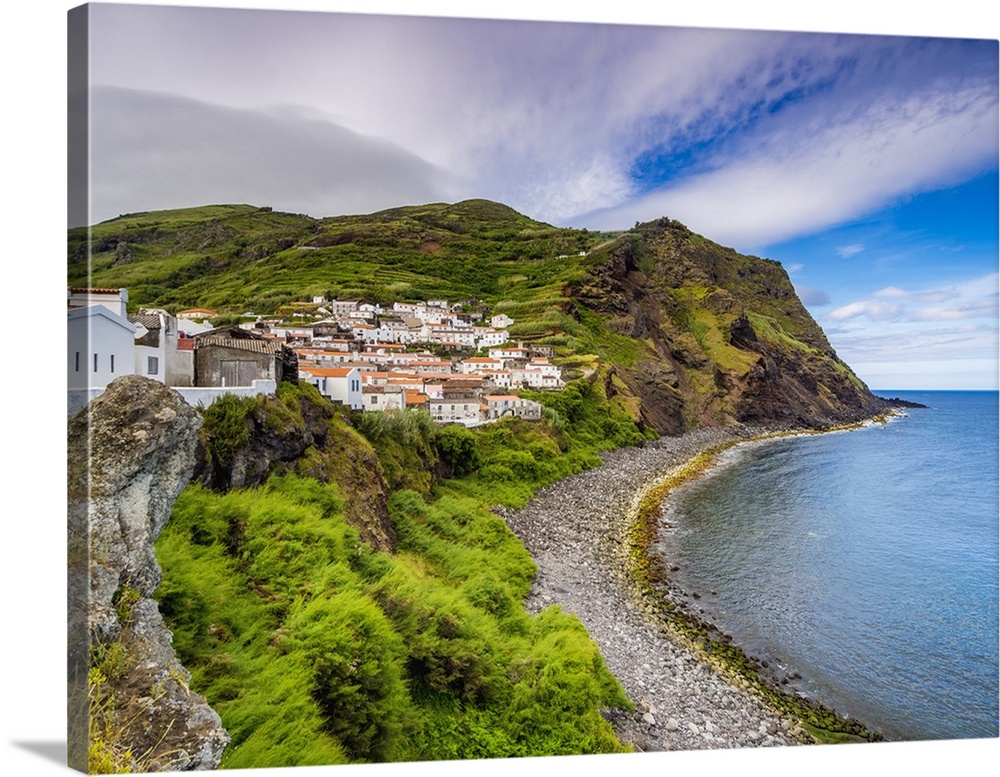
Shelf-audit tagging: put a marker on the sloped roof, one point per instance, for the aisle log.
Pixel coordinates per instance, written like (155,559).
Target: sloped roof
(239,343)
(147,320)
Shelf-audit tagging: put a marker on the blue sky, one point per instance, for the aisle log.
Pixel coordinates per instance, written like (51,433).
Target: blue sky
(866,164)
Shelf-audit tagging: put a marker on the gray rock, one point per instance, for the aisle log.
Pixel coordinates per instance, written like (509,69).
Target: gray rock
(130,453)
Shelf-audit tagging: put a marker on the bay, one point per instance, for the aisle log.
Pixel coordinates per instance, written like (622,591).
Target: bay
(861,565)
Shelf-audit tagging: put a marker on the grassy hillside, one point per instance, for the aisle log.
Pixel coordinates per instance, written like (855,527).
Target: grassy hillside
(237,258)
(316,648)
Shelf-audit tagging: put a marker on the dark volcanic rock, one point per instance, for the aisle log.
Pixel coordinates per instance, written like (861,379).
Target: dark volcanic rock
(897,402)
(725,338)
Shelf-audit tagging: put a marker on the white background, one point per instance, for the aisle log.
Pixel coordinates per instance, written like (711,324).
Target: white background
(32,700)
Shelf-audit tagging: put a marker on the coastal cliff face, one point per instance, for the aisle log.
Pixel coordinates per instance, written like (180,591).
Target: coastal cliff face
(725,338)
(130,453)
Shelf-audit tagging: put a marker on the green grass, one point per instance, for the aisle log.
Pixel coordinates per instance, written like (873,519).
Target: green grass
(315,649)
(234,258)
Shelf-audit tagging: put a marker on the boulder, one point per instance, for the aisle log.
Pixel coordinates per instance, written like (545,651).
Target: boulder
(130,453)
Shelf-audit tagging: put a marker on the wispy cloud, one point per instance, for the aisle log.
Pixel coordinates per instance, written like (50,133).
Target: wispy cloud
(814,172)
(777,133)
(846,252)
(974,299)
(935,295)
(872,309)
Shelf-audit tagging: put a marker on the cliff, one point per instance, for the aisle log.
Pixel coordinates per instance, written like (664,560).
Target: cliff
(245,441)
(130,454)
(723,337)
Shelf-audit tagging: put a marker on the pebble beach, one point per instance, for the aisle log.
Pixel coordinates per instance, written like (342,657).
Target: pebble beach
(575,530)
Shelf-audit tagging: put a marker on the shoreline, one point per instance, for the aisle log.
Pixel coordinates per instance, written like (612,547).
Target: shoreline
(590,536)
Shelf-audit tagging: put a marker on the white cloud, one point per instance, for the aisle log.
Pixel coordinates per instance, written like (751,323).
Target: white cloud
(893,292)
(937,295)
(846,252)
(969,300)
(902,338)
(873,309)
(982,308)
(812,173)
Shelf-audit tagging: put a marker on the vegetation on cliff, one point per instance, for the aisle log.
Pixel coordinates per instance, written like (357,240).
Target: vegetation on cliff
(316,648)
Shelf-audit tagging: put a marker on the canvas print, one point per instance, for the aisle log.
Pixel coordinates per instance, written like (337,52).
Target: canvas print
(450,388)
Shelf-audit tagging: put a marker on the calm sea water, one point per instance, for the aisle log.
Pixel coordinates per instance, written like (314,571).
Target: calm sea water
(865,561)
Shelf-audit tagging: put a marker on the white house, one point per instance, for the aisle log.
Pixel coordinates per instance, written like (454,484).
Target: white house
(501,405)
(478,363)
(509,352)
(338,384)
(101,347)
(464,410)
(157,352)
(533,377)
(383,397)
(490,337)
(196,314)
(342,307)
(115,300)
(501,321)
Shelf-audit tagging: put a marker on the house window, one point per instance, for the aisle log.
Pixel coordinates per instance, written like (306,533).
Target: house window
(95,362)
(374,399)
(152,365)
(77,361)
(112,362)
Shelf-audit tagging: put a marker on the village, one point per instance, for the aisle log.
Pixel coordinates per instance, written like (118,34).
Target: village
(407,356)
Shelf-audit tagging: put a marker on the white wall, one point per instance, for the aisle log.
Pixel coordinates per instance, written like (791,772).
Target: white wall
(206,395)
(95,331)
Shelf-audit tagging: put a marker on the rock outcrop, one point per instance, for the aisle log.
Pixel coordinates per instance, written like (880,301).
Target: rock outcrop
(302,432)
(722,338)
(131,451)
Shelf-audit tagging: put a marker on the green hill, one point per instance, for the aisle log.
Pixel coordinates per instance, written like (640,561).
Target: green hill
(683,331)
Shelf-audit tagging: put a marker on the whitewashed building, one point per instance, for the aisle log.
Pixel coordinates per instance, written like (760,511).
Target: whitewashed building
(383,398)
(463,410)
(100,343)
(338,384)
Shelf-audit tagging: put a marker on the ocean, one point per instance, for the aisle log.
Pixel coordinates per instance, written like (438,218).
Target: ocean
(862,565)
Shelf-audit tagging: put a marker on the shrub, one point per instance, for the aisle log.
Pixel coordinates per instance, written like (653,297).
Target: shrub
(356,658)
(456,447)
(226,427)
